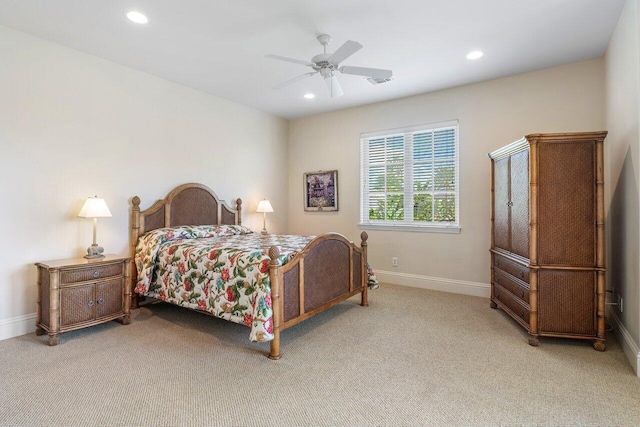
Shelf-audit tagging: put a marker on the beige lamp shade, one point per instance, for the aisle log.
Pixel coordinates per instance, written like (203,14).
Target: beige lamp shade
(94,207)
(264,206)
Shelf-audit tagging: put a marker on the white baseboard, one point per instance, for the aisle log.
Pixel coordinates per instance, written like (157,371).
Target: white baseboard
(435,283)
(17,326)
(629,346)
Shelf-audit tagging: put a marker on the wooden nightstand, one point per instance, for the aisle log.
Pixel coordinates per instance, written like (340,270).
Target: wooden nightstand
(78,292)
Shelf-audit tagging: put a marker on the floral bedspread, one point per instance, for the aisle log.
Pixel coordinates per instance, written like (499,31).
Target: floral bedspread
(223,270)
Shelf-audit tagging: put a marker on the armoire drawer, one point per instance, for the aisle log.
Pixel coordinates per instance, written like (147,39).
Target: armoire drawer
(517,308)
(511,267)
(510,283)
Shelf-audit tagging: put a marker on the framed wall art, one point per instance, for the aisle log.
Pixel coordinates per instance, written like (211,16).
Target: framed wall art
(321,191)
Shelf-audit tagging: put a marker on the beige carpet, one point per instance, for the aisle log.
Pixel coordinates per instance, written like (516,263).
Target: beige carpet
(413,357)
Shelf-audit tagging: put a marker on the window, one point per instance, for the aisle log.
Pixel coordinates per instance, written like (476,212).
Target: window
(409,178)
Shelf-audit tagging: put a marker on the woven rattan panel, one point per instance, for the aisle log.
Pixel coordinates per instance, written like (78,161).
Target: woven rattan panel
(194,206)
(566,213)
(91,273)
(357,271)
(291,293)
(501,198)
(520,203)
(566,302)
(227,217)
(154,220)
(78,304)
(109,297)
(334,272)
(45,296)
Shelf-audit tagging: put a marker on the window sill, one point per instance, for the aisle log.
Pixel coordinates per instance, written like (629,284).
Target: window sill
(449,229)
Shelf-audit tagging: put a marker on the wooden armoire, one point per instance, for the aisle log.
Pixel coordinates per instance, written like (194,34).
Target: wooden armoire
(547,235)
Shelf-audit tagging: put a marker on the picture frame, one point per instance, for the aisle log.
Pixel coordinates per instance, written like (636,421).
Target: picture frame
(321,191)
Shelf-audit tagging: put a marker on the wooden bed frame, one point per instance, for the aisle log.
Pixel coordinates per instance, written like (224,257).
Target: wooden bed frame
(327,271)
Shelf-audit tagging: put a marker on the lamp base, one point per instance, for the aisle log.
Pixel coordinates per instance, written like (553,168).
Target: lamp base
(94,251)
(264,231)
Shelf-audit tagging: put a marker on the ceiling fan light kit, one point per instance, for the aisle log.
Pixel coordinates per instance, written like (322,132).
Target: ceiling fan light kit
(379,80)
(327,63)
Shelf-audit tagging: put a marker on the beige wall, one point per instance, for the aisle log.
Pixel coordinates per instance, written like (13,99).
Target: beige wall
(73,125)
(491,114)
(623,143)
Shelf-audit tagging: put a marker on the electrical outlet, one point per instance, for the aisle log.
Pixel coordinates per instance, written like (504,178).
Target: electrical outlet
(394,261)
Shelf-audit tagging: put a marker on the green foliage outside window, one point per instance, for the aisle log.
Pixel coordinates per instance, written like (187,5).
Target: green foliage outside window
(423,199)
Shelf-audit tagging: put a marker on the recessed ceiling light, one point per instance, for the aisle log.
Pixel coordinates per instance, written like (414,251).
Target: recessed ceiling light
(475,54)
(137,17)
(309,95)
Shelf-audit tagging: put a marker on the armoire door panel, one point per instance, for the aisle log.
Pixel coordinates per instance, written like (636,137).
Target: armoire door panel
(566,200)
(519,177)
(567,302)
(501,209)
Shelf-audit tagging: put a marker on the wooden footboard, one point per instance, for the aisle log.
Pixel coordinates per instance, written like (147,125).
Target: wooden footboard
(329,270)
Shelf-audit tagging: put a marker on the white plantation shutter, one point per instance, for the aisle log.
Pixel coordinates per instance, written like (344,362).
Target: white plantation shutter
(409,177)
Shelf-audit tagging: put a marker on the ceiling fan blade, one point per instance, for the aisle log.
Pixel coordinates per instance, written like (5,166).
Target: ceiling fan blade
(334,86)
(376,73)
(293,80)
(346,50)
(284,58)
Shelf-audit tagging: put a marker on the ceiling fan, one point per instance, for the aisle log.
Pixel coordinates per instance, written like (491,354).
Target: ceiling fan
(327,63)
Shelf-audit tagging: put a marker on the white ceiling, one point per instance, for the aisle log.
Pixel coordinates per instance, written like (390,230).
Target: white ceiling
(218,46)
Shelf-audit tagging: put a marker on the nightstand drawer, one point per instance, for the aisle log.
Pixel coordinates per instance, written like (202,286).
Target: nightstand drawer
(91,273)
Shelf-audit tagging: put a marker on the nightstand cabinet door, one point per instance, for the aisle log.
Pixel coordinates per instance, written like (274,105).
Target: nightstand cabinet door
(109,299)
(78,305)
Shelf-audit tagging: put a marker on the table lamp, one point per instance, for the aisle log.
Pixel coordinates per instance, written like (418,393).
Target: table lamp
(263,207)
(94,207)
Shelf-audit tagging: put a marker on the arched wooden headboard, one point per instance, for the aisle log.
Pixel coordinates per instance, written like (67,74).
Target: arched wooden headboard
(188,204)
